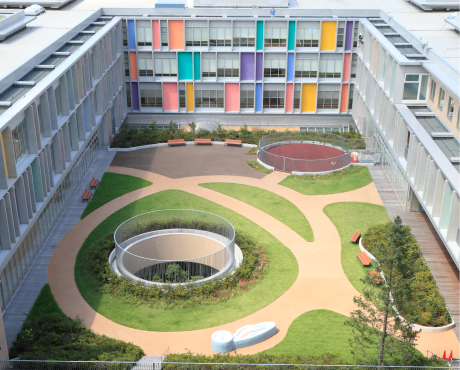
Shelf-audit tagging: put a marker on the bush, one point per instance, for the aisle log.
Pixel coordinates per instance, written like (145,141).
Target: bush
(430,304)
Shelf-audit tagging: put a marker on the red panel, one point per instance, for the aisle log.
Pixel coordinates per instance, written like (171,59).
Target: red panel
(170,98)
(156,35)
(346,67)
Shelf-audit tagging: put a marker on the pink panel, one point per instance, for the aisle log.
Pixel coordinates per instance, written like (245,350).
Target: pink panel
(346,67)
(170,100)
(232,98)
(289,97)
(156,35)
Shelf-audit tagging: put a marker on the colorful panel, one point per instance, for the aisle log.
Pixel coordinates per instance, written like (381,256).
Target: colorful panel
(308,97)
(247,66)
(344,98)
(131,35)
(133,64)
(176,35)
(190,96)
(328,35)
(170,99)
(290,67)
(349,36)
(289,90)
(258,97)
(4,155)
(260,35)
(197,65)
(346,67)
(156,35)
(259,66)
(232,97)
(291,38)
(185,66)
(135,95)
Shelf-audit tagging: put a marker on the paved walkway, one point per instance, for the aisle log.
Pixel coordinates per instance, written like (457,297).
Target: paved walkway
(321,282)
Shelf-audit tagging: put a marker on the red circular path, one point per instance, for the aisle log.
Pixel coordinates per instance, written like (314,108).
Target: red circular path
(305,151)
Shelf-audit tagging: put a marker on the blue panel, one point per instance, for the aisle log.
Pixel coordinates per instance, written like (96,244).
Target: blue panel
(131,35)
(290,69)
(258,97)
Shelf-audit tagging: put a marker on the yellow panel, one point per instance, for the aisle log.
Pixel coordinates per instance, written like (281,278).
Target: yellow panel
(328,34)
(4,156)
(189,96)
(308,97)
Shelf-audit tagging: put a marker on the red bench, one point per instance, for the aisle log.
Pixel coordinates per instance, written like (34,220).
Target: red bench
(203,141)
(375,277)
(364,259)
(86,195)
(355,237)
(232,142)
(176,142)
(93,183)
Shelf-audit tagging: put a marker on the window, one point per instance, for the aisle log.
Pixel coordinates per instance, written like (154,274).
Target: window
(128,95)
(145,66)
(20,142)
(151,99)
(350,97)
(415,87)
(125,34)
(144,33)
(53,160)
(275,37)
(126,65)
(274,68)
(450,112)
(441,99)
(327,100)
(354,63)
(296,99)
(355,34)
(244,36)
(40,120)
(306,68)
(208,67)
(247,99)
(209,98)
(340,34)
(164,33)
(182,98)
(57,96)
(220,36)
(196,36)
(307,37)
(432,90)
(166,67)
(228,67)
(273,99)
(330,68)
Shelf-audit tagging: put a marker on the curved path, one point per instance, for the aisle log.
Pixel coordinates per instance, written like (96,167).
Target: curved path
(320,284)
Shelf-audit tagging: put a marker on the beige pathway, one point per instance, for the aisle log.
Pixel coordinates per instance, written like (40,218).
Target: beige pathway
(321,282)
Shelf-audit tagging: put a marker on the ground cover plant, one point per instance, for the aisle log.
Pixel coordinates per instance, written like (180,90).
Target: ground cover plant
(273,204)
(351,178)
(48,334)
(277,277)
(258,167)
(252,151)
(111,186)
(426,305)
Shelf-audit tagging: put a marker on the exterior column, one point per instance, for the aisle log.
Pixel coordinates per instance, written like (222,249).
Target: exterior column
(4,228)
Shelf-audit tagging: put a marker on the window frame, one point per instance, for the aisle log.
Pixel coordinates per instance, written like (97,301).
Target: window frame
(441,97)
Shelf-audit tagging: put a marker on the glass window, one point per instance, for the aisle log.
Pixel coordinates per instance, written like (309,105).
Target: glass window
(441,99)
(128,95)
(144,36)
(209,98)
(164,33)
(126,64)
(275,68)
(166,67)
(327,100)
(305,68)
(307,37)
(182,98)
(432,90)
(125,34)
(228,67)
(208,67)
(244,36)
(354,63)
(330,68)
(145,66)
(151,98)
(340,34)
(415,87)
(273,99)
(247,99)
(296,99)
(350,97)
(53,161)
(20,142)
(57,95)
(275,37)
(450,112)
(196,36)
(40,120)
(220,36)
(355,34)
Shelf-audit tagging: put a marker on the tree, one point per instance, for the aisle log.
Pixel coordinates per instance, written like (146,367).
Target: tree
(379,334)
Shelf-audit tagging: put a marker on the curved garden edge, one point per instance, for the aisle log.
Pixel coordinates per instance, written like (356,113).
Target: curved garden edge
(134,148)
(429,329)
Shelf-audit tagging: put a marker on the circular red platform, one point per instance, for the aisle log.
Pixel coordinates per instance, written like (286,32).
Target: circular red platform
(305,151)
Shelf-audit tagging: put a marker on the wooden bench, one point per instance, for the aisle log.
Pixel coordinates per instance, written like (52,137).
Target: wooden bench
(364,259)
(93,183)
(203,141)
(176,142)
(375,277)
(86,195)
(355,237)
(232,142)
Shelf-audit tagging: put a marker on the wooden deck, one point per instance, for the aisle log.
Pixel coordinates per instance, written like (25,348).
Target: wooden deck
(436,255)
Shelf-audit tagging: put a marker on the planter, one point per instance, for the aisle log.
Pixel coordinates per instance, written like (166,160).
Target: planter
(166,144)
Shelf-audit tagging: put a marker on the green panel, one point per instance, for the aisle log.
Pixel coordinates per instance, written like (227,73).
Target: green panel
(197,65)
(260,35)
(291,39)
(185,66)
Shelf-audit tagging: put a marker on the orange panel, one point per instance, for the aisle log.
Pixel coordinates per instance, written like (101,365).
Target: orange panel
(156,35)
(289,89)
(344,100)
(176,35)
(133,65)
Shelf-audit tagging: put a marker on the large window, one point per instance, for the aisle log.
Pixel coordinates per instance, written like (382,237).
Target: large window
(275,37)
(220,36)
(441,99)
(208,67)
(275,68)
(57,95)
(327,100)
(166,67)
(209,98)
(151,99)
(244,36)
(196,36)
(450,112)
(273,99)
(228,65)
(305,68)
(354,63)
(20,142)
(415,87)
(432,90)
(145,66)
(247,99)
(307,37)
(330,68)
(144,33)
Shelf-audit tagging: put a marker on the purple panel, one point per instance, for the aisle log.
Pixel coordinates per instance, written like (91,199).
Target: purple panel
(135,96)
(247,66)
(259,66)
(349,36)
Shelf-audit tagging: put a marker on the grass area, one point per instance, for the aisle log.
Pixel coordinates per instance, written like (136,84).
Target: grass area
(258,167)
(349,217)
(252,151)
(111,186)
(280,275)
(44,303)
(352,178)
(268,202)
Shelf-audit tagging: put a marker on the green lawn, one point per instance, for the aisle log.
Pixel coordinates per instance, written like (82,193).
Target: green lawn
(349,217)
(281,273)
(44,303)
(258,167)
(352,178)
(111,186)
(268,202)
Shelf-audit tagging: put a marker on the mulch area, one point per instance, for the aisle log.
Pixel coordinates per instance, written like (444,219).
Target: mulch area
(305,151)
